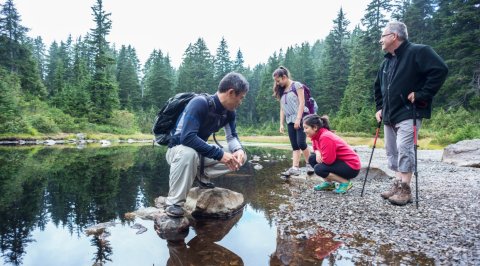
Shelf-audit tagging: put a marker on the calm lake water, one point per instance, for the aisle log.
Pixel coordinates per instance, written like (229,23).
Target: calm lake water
(50,195)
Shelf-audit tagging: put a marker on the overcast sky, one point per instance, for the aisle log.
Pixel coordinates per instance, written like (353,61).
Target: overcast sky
(257,27)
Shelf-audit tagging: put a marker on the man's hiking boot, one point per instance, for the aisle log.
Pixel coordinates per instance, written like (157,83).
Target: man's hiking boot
(343,187)
(204,183)
(310,170)
(403,195)
(174,211)
(292,171)
(324,186)
(393,189)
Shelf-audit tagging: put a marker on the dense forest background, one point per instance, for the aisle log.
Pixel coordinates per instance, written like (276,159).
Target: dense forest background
(86,84)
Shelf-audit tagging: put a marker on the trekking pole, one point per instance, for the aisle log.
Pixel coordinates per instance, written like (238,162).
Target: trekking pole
(371,155)
(415,146)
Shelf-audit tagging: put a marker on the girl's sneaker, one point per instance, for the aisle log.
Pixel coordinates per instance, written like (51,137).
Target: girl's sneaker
(310,170)
(291,171)
(343,187)
(324,186)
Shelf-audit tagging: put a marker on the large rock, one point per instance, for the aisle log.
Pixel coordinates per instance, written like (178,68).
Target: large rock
(463,153)
(171,228)
(214,203)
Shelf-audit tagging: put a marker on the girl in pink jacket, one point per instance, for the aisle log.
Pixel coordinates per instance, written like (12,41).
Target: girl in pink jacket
(333,159)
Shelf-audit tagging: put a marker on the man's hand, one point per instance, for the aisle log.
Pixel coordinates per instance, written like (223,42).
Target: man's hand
(282,129)
(378,115)
(240,155)
(411,97)
(230,161)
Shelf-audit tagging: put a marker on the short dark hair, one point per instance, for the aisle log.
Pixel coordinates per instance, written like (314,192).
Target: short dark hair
(235,81)
(314,120)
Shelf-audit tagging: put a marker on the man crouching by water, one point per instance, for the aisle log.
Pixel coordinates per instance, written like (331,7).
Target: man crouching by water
(189,142)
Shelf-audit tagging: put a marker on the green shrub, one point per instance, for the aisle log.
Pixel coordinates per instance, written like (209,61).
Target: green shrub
(43,124)
(452,126)
(122,119)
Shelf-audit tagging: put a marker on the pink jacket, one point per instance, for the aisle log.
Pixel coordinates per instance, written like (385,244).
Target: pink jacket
(333,148)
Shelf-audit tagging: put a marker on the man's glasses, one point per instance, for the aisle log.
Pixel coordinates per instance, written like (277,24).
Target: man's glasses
(385,35)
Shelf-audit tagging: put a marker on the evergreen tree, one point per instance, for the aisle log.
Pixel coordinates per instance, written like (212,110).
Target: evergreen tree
(333,73)
(222,63)
(103,90)
(418,18)
(305,70)
(238,64)
(39,54)
(267,105)
(247,113)
(196,73)
(456,23)
(12,33)
(11,119)
(127,78)
(158,81)
(356,109)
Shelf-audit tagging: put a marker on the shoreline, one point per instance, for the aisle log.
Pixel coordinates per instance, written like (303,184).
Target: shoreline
(445,227)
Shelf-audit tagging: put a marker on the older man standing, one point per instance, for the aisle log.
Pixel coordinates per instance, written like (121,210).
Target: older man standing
(411,74)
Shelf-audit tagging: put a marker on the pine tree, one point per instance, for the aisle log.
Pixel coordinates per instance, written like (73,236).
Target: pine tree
(418,18)
(12,33)
(39,54)
(334,69)
(267,105)
(196,73)
(222,63)
(456,40)
(103,90)
(127,78)
(158,81)
(238,64)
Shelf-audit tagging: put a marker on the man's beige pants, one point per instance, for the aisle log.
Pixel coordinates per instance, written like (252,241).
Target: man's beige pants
(184,167)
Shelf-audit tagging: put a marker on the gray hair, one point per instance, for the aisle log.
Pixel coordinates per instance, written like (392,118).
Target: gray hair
(235,81)
(398,28)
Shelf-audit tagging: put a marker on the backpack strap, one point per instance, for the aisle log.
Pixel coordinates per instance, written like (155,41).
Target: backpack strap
(211,108)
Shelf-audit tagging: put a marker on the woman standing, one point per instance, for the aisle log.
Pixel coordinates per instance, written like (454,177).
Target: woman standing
(292,109)
(333,158)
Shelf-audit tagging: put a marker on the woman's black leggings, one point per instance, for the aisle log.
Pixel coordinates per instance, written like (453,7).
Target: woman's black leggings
(339,168)
(298,138)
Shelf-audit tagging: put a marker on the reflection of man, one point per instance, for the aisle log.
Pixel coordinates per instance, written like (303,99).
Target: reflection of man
(410,74)
(202,249)
(189,141)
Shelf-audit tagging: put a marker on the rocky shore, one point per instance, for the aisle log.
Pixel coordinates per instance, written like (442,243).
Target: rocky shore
(445,229)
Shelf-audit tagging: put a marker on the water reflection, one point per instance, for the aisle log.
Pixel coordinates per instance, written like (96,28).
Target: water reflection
(203,249)
(66,189)
(49,196)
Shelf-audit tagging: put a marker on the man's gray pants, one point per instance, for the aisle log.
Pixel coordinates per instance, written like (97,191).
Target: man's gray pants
(399,145)
(184,167)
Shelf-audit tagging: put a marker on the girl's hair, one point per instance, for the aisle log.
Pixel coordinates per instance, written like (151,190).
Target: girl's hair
(279,72)
(315,120)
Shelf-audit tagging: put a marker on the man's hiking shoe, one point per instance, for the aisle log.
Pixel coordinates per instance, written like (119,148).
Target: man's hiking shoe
(174,211)
(324,186)
(310,170)
(291,171)
(393,189)
(403,195)
(343,187)
(204,184)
